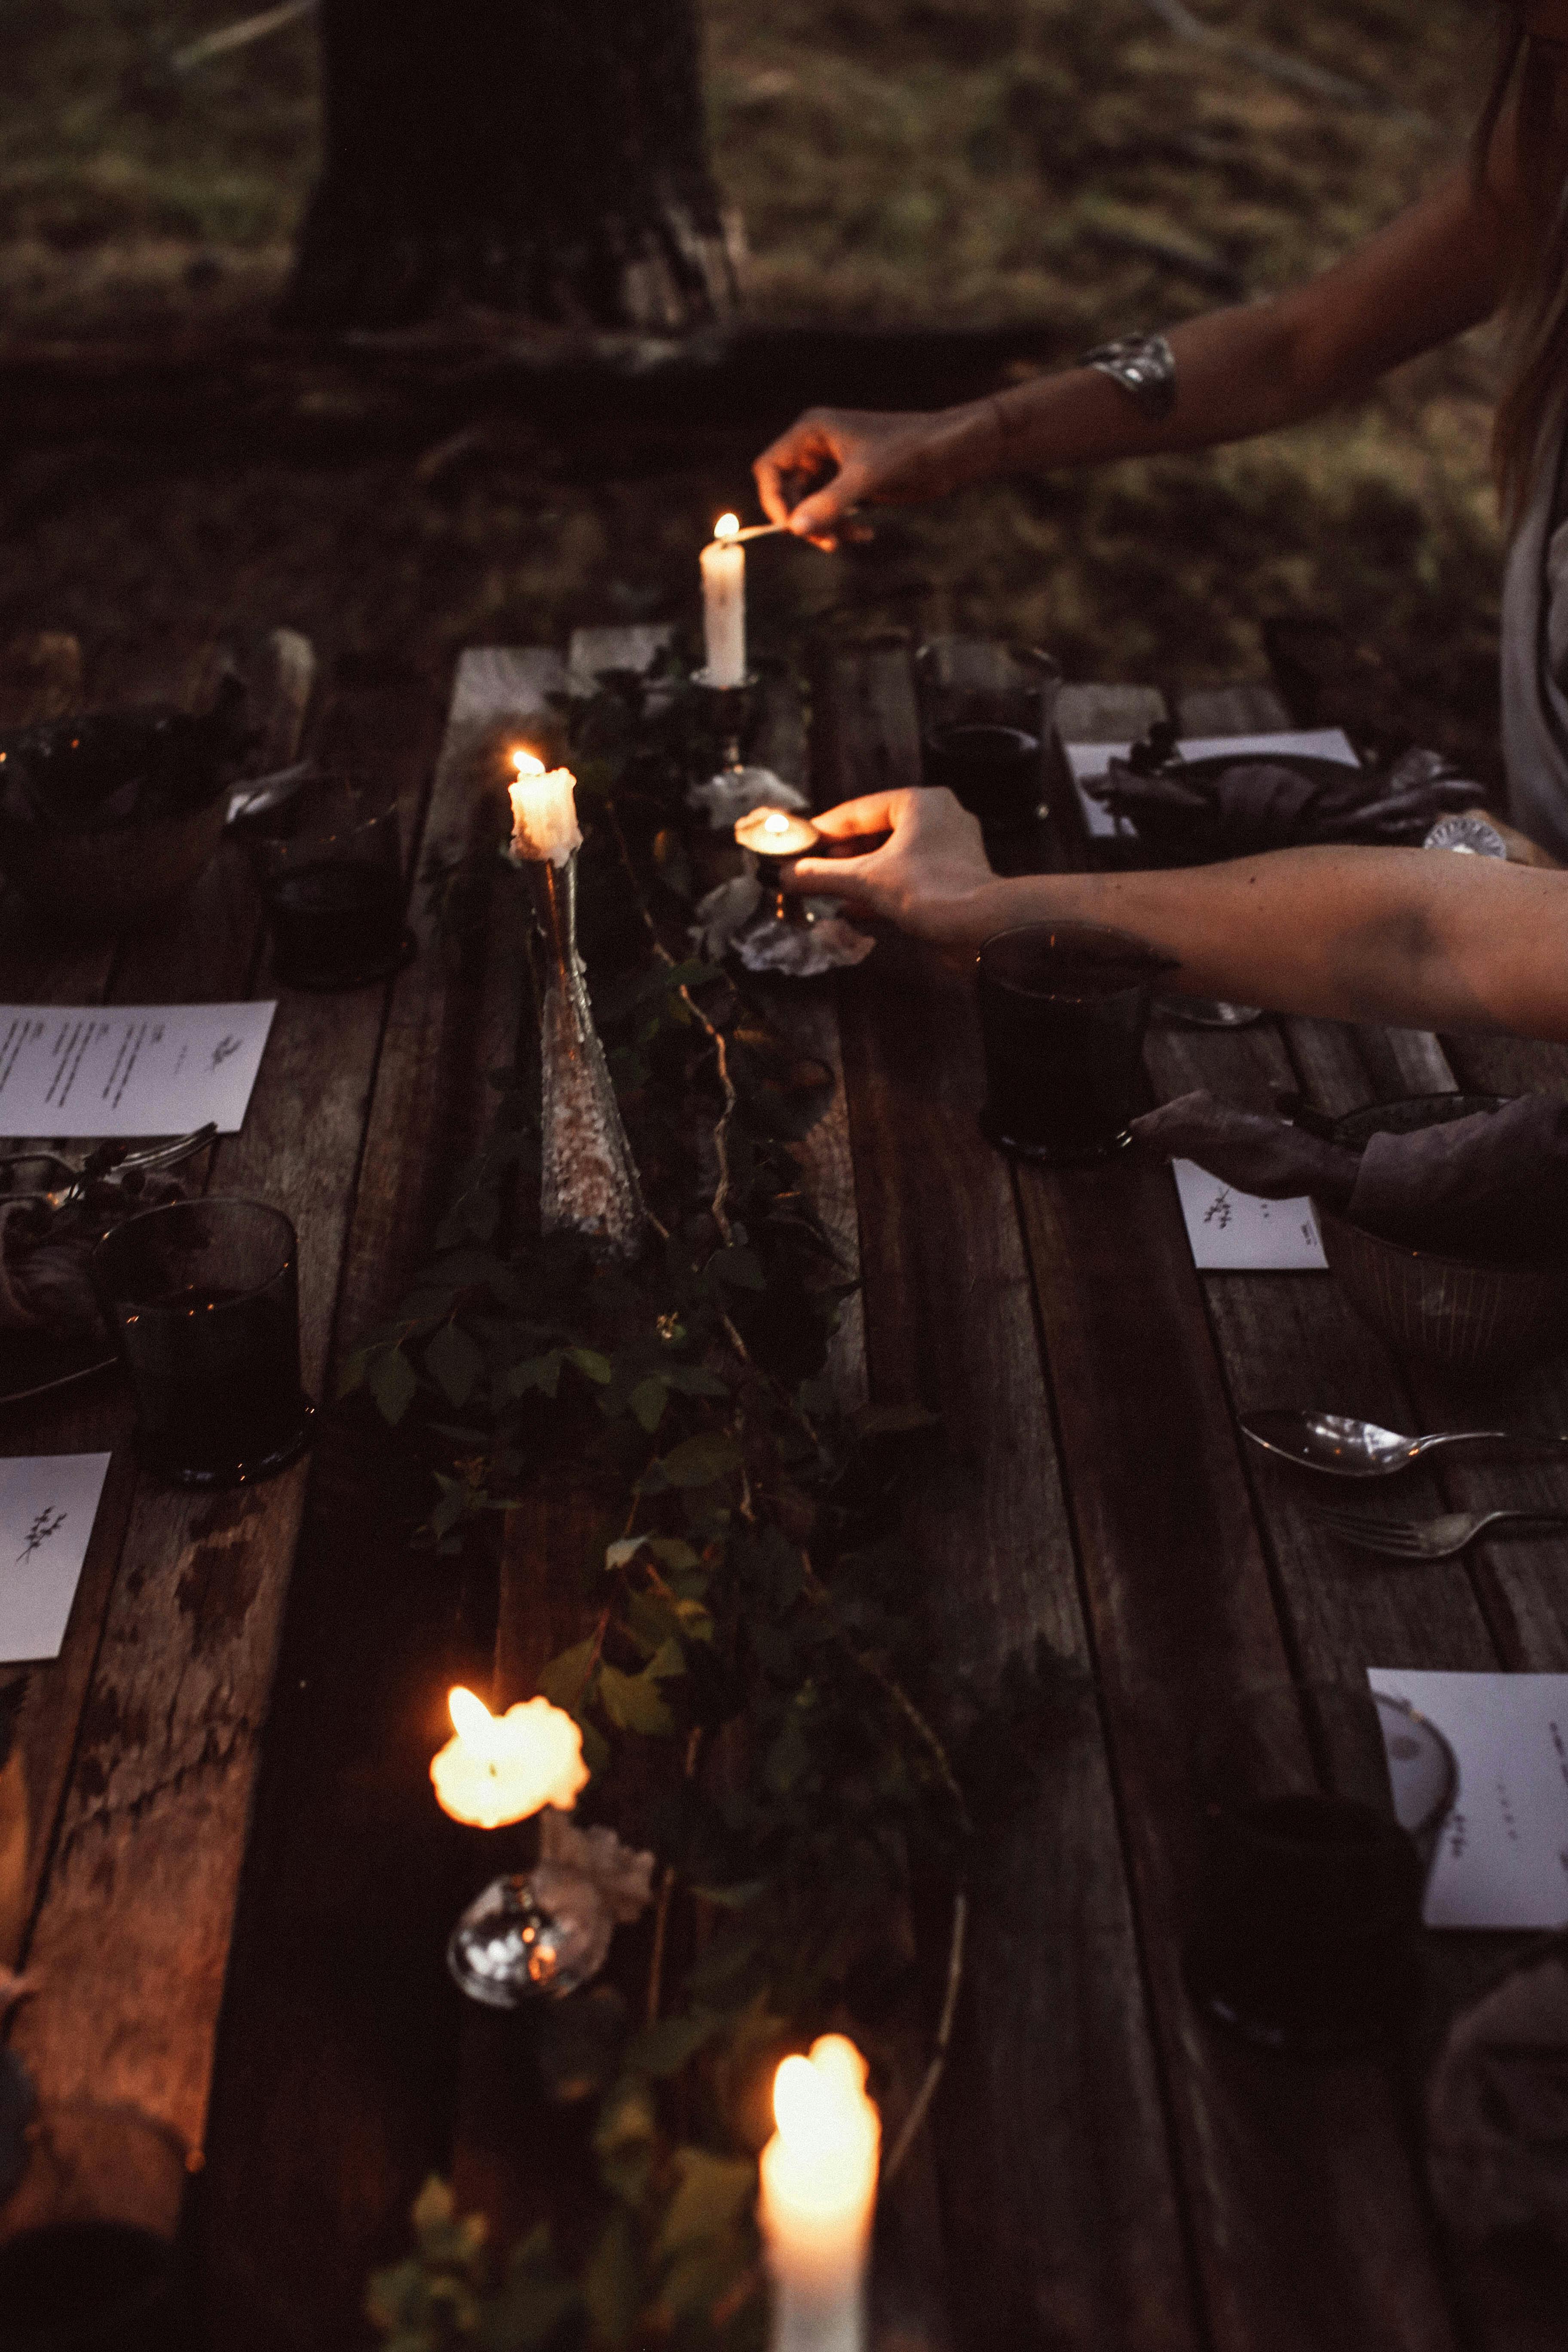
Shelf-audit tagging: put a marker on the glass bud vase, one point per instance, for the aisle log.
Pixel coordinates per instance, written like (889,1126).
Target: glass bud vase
(589,1183)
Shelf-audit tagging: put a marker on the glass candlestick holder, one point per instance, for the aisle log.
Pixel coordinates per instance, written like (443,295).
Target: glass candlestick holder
(731,708)
(589,1183)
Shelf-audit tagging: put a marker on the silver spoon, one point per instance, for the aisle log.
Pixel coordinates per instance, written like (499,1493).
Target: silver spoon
(1360,1449)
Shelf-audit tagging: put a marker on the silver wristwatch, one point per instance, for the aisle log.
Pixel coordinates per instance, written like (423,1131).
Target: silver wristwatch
(1144,366)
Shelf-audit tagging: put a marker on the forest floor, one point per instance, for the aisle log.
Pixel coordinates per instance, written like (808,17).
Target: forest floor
(1075,165)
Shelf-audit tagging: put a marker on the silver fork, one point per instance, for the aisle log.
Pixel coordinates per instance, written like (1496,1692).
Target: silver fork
(156,1156)
(1439,1538)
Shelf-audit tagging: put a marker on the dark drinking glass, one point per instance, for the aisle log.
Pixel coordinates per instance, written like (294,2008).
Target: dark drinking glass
(996,772)
(202,1300)
(330,869)
(1063,1008)
(1319,1814)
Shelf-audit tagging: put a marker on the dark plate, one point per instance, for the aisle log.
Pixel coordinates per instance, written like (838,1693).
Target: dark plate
(34,1365)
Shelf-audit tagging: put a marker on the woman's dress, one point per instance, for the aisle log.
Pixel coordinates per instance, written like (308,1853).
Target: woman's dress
(1535,656)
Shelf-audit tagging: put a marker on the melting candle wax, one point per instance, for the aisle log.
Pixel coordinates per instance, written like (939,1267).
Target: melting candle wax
(819,2186)
(498,1768)
(543,811)
(724,605)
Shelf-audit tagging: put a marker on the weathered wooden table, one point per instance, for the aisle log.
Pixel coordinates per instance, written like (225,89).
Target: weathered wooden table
(239,1886)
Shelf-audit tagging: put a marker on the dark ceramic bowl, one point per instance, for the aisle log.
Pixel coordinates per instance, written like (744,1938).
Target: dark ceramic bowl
(1464,1316)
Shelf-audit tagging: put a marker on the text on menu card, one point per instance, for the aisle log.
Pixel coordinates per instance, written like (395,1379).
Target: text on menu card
(119,1071)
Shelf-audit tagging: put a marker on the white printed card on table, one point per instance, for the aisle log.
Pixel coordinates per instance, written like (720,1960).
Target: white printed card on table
(116,1071)
(1240,1232)
(1090,760)
(1502,1857)
(48,1506)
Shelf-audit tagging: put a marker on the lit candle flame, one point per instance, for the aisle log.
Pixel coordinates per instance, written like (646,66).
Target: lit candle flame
(819,2103)
(502,1767)
(472,1720)
(727,527)
(776,823)
(526,764)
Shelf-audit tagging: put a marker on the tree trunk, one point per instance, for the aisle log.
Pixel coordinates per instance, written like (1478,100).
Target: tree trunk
(547,157)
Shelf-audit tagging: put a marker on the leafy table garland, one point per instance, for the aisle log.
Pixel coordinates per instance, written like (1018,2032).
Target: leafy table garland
(752,1612)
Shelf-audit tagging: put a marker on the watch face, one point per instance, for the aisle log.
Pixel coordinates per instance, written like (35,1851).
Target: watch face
(1472,836)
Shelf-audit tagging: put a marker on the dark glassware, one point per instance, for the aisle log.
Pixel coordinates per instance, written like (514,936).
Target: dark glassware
(93,2261)
(330,869)
(1063,1008)
(201,1301)
(987,714)
(1320,1814)
(996,772)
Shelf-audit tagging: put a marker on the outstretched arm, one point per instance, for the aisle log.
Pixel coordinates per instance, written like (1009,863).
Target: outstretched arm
(1433,272)
(1417,938)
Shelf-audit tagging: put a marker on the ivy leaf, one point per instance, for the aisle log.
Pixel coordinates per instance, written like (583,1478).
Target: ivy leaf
(663,2049)
(454,1358)
(533,2301)
(393,1384)
(648,1398)
(633,1702)
(741,1268)
(668,1661)
(700,1461)
(592,1365)
(561,1681)
(612,2285)
(624,2138)
(711,2194)
(673,1552)
(621,1553)
(541,1372)
(693,1379)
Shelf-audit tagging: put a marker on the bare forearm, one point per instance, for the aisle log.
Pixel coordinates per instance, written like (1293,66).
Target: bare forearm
(1427,277)
(1418,939)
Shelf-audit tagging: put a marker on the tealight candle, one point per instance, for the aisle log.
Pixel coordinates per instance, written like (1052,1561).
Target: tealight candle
(543,812)
(818,2187)
(724,605)
(498,1768)
(776,833)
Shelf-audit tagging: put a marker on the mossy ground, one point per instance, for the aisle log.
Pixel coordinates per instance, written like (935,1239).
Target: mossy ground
(935,161)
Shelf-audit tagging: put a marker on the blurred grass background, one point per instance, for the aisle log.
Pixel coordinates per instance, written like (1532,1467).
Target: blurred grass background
(1075,164)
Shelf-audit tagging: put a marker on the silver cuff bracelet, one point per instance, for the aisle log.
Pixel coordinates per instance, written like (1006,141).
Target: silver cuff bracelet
(1144,366)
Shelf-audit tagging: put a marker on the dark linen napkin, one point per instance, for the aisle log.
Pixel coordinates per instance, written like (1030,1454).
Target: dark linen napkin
(1492,1187)
(1496,2108)
(1229,808)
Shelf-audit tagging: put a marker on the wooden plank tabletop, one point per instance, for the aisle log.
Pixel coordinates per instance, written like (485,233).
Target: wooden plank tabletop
(261,1678)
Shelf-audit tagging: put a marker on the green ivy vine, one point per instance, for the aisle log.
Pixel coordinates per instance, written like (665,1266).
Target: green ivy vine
(746,1590)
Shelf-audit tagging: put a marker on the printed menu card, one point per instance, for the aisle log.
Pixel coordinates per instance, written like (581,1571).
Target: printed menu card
(1240,1232)
(121,1070)
(48,1506)
(1503,1858)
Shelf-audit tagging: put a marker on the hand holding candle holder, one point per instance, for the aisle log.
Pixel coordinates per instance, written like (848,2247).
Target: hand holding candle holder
(1320,1812)
(589,1183)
